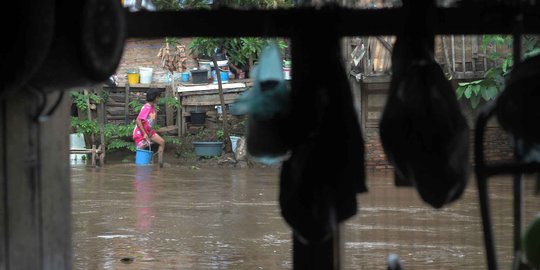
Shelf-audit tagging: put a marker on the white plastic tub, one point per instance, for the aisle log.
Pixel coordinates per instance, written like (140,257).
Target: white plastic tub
(146,75)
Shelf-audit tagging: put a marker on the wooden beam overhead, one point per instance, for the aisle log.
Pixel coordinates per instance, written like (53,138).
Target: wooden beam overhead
(348,22)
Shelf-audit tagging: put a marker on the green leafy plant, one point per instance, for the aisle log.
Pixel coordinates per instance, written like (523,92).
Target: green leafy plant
(80,99)
(169,101)
(242,52)
(492,84)
(136,105)
(84,126)
(208,136)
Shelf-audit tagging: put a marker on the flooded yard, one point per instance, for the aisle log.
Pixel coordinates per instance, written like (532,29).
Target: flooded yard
(128,217)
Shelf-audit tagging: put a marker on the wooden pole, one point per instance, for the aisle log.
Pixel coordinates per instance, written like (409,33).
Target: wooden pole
(102,120)
(169,110)
(226,139)
(180,116)
(446,57)
(126,105)
(89,115)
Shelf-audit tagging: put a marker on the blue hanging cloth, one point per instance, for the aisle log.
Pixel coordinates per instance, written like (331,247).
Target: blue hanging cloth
(267,105)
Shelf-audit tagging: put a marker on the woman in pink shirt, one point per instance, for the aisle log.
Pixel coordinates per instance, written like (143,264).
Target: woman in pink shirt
(143,134)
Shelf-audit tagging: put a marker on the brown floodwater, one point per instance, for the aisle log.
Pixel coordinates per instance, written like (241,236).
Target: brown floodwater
(183,218)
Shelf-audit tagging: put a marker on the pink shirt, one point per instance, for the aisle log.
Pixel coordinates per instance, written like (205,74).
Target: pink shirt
(147,115)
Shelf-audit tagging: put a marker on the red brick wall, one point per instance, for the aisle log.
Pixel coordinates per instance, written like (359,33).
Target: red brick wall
(497,147)
(143,53)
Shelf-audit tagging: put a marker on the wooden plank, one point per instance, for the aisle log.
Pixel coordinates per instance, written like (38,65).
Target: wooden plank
(182,88)
(378,100)
(206,100)
(377,79)
(56,189)
(378,87)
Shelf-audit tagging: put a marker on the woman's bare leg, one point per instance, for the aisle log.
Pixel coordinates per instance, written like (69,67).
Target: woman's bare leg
(157,139)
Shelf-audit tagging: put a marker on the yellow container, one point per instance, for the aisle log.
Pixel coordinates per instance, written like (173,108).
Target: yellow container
(133,78)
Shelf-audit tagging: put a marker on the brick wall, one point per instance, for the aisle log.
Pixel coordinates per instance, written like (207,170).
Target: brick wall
(496,147)
(143,53)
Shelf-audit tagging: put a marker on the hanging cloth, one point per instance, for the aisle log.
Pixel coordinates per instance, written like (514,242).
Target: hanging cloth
(423,132)
(325,172)
(517,109)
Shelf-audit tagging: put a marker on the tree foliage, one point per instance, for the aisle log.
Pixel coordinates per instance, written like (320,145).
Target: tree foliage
(492,84)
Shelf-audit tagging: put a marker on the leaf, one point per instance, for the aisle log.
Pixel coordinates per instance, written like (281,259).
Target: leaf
(459,91)
(468,92)
(493,92)
(476,89)
(486,94)
(475,100)
(505,65)
(532,53)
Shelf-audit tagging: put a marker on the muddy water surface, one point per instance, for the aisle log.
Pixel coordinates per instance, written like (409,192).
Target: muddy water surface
(178,218)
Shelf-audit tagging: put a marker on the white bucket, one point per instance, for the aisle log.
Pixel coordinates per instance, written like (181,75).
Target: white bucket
(76,140)
(287,73)
(221,63)
(146,75)
(234,140)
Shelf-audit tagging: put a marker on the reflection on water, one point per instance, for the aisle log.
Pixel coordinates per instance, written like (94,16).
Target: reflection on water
(229,219)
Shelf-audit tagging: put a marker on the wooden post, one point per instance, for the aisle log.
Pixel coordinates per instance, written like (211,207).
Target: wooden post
(126,105)
(35,205)
(101,118)
(94,155)
(89,115)
(226,138)
(446,58)
(453,49)
(180,116)
(463,58)
(169,110)
(474,51)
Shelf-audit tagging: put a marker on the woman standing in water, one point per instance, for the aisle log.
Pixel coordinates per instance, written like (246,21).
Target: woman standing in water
(143,134)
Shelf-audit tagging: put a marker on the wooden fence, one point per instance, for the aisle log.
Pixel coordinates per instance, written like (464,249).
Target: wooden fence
(461,56)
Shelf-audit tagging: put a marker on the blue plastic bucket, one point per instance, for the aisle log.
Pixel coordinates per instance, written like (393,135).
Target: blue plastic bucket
(143,157)
(224,74)
(185,76)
